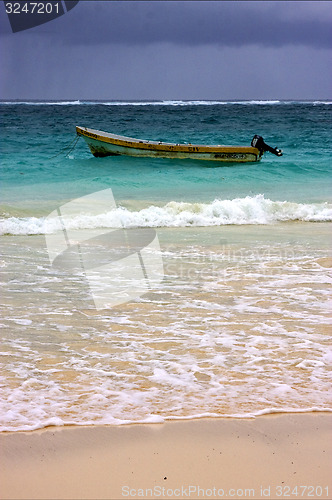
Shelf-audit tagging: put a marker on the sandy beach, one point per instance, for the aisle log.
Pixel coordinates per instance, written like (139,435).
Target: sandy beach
(272,456)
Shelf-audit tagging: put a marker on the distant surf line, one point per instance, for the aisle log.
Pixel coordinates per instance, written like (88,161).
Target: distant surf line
(162,102)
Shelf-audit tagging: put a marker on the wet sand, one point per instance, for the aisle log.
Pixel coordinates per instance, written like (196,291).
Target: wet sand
(272,456)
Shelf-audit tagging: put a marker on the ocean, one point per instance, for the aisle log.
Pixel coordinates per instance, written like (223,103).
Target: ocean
(231,314)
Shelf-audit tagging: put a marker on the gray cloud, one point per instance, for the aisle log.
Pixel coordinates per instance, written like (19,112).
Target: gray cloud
(232,24)
(225,23)
(172,50)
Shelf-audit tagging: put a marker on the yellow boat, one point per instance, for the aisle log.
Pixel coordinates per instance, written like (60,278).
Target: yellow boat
(105,144)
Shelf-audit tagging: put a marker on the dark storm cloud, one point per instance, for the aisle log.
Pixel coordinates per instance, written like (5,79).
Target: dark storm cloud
(172,50)
(224,23)
(232,24)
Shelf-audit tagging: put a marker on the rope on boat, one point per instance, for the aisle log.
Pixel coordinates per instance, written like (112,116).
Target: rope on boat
(71,147)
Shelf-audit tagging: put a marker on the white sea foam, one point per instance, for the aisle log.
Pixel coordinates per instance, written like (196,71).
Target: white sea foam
(166,103)
(163,103)
(239,211)
(240,352)
(43,103)
(234,330)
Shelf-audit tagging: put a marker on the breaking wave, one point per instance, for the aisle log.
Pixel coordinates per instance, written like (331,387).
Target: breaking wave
(43,103)
(240,211)
(162,103)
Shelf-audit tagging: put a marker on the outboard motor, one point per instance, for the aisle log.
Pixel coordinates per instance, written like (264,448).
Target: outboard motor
(259,143)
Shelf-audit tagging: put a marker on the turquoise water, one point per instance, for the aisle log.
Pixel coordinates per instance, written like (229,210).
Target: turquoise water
(34,133)
(239,323)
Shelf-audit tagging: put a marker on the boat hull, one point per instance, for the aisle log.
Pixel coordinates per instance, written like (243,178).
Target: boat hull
(104,144)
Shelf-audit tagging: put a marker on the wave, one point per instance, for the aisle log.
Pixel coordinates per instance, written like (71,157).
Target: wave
(164,103)
(184,103)
(239,211)
(42,423)
(321,102)
(44,103)
(137,103)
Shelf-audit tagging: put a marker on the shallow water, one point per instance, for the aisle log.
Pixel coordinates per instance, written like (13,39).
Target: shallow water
(238,326)
(239,323)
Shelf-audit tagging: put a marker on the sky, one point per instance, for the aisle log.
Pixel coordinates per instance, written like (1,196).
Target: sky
(172,50)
